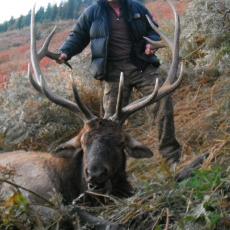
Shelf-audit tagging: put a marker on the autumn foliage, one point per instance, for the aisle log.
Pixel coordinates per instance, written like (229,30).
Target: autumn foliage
(161,10)
(14,50)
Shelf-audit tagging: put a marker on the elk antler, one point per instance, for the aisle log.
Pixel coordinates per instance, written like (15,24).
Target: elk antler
(40,84)
(122,114)
(170,83)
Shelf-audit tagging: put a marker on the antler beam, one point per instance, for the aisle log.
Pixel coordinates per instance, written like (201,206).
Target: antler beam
(39,81)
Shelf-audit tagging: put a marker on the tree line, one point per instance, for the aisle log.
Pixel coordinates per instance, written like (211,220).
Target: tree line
(69,9)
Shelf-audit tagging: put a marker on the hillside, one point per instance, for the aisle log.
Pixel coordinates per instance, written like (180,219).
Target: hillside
(202,119)
(14,49)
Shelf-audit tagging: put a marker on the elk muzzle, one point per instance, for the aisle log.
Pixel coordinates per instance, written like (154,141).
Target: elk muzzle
(98,179)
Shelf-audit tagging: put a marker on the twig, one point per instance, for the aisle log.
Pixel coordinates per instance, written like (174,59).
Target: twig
(194,51)
(103,195)
(189,202)
(215,151)
(158,218)
(92,220)
(167,219)
(27,190)
(197,92)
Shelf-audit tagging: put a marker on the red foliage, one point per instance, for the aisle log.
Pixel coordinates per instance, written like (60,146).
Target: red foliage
(4,57)
(3,81)
(24,67)
(46,62)
(14,54)
(162,11)
(23,49)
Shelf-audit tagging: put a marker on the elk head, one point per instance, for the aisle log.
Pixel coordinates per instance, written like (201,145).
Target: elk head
(102,141)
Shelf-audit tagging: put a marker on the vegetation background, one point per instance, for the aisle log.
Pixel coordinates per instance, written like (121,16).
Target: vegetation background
(202,116)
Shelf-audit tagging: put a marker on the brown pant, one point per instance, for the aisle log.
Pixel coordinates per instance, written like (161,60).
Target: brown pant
(143,82)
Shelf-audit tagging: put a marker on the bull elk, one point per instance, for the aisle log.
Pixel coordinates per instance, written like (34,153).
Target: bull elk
(95,159)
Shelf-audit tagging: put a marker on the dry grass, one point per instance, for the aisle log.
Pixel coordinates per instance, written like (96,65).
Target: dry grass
(202,114)
(202,118)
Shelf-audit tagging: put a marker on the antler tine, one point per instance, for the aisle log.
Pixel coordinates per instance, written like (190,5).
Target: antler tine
(163,36)
(33,52)
(120,95)
(59,100)
(119,98)
(141,103)
(174,46)
(39,81)
(44,51)
(45,48)
(169,88)
(89,115)
(134,106)
(168,85)
(175,51)
(32,81)
(156,44)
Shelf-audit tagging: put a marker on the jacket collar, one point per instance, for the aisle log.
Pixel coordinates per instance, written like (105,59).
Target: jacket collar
(126,6)
(122,2)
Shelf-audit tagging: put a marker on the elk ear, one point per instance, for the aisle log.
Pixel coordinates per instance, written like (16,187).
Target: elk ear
(134,148)
(70,148)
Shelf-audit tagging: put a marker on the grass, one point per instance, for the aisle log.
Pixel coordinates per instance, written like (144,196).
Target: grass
(163,202)
(202,111)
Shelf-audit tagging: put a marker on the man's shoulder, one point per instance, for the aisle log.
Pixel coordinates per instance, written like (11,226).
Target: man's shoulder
(91,8)
(91,11)
(138,5)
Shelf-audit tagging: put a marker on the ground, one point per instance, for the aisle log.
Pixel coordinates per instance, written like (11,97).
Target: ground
(202,112)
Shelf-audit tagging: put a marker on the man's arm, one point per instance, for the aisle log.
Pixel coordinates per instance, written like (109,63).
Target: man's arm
(78,38)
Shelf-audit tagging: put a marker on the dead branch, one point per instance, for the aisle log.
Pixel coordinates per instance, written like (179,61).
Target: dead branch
(167,219)
(98,223)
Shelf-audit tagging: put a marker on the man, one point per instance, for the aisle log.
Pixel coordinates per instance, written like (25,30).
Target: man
(115,29)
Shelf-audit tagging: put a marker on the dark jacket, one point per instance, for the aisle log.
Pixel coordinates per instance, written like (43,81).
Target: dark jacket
(94,26)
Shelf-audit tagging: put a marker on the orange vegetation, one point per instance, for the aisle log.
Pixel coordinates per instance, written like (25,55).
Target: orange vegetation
(161,10)
(14,50)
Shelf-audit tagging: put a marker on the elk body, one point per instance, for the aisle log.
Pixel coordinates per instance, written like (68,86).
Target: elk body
(96,158)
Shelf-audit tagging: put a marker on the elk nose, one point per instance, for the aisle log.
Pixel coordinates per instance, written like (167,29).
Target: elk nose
(97,174)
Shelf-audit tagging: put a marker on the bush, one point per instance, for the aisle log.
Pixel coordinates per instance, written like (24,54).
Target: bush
(206,36)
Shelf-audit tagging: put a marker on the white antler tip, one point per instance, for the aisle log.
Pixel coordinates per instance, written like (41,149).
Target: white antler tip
(122,77)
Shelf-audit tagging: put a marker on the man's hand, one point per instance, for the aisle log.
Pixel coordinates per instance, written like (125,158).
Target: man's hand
(149,50)
(62,58)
